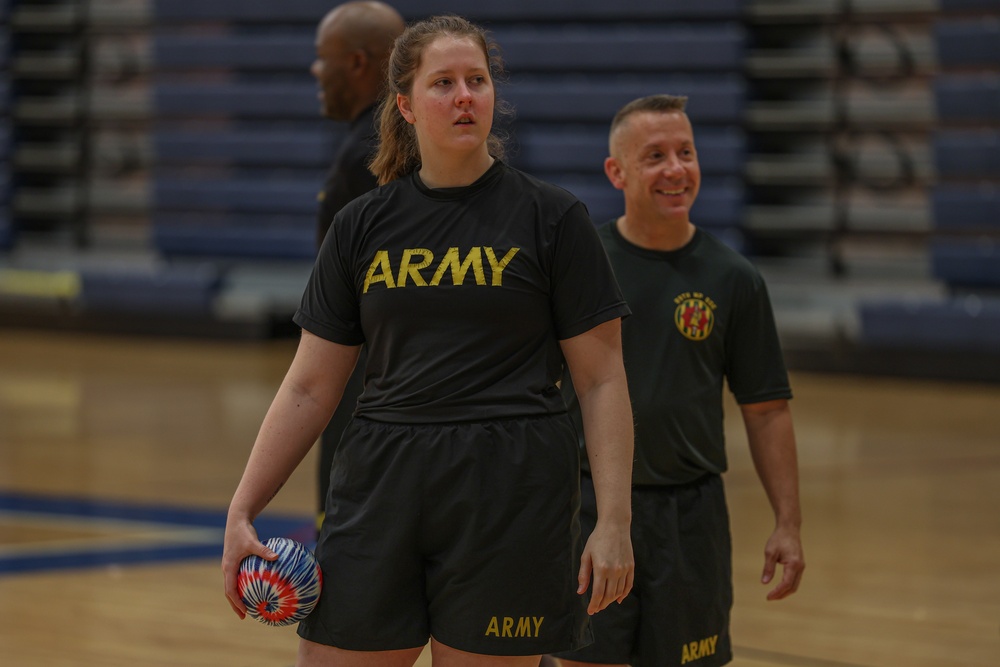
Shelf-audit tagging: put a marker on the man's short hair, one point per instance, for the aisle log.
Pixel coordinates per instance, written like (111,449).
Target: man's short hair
(652,103)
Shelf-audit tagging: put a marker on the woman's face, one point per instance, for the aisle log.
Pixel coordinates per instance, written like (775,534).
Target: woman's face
(451,101)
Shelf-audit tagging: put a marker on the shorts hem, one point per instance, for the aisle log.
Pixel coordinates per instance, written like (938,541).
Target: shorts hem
(474,646)
(362,647)
(575,655)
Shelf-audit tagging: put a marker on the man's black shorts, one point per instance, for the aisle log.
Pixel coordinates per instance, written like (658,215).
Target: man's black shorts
(678,611)
(468,532)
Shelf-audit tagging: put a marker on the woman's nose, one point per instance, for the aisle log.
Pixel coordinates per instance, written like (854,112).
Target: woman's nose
(462,93)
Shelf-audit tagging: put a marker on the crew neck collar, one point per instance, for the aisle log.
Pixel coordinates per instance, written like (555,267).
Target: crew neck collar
(685,249)
(489,177)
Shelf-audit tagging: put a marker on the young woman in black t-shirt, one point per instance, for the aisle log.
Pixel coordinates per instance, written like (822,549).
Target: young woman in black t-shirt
(454,493)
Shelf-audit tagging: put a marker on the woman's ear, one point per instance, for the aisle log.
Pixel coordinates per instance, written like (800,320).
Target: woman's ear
(403,104)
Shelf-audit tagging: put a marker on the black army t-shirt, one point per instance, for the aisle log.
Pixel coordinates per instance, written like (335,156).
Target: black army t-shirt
(461,295)
(701,316)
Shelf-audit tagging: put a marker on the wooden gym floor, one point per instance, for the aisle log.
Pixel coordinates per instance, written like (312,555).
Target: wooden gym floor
(118,458)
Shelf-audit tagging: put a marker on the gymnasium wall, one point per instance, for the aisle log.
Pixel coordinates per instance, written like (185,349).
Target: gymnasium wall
(160,159)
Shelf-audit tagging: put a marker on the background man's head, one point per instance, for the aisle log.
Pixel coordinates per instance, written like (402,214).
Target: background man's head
(353,42)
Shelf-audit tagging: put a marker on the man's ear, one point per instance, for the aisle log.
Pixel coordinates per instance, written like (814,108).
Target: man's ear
(403,104)
(613,170)
(358,61)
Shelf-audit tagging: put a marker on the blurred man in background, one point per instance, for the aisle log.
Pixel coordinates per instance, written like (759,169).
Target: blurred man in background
(353,43)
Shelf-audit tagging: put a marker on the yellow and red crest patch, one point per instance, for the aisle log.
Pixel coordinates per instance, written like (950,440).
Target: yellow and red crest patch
(694,317)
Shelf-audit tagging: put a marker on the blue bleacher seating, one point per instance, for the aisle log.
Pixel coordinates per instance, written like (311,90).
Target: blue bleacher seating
(254,235)
(304,147)
(5,138)
(6,225)
(968,97)
(717,47)
(596,98)
(968,42)
(6,231)
(655,48)
(966,200)
(966,206)
(168,290)
(286,50)
(573,64)
(966,262)
(234,11)
(261,11)
(581,10)
(968,5)
(967,323)
(5,180)
(250,195)
(972,154)
(265,99)
(721,150)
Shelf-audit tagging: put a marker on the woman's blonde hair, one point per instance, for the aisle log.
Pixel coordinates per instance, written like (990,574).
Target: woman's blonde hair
(398,153)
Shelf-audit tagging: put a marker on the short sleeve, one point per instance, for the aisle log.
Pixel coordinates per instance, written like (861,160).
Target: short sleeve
(584,290)
(329,306)
(755,367)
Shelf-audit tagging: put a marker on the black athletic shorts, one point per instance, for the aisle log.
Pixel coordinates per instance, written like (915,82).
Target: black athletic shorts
(678,611)
(468,532)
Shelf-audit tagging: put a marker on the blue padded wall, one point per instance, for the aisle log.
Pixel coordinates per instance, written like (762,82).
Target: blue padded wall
(718,47)
(241,151)
(275,147)
(966,207)
(178,290)
(6,223)
(592,48)
(967,154)
(310,11)
(966,146)
(968,98)
(965,246)
(967,262)
(974,6)
(970,323)
(968,42)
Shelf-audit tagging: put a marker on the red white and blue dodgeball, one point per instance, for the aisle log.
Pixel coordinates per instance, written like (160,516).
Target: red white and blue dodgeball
(282,591)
